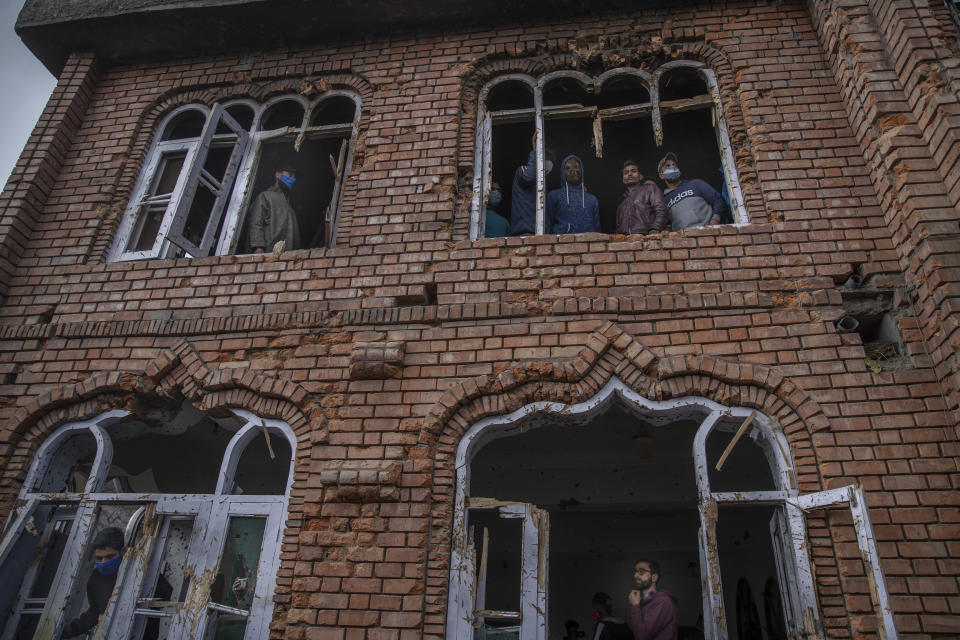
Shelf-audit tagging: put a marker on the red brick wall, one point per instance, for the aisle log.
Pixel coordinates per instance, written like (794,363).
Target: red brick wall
(743,315)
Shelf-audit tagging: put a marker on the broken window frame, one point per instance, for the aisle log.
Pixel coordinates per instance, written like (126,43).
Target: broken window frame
(483,153)
(211,513)
(243,197)
(794,568)
(233,193)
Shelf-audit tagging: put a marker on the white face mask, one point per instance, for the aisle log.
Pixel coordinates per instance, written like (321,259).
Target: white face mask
(671,173)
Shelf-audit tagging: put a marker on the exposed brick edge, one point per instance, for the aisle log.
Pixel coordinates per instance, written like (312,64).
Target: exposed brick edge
(608,352)
(920,214)
(23,200)
(578,379)
(417,314)
(209,94)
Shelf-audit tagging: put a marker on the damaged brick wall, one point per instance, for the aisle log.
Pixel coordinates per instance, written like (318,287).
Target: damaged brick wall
(366,508)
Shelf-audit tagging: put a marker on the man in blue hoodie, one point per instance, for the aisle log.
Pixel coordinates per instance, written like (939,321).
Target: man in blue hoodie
(692,202)
(523,197)
(570,209)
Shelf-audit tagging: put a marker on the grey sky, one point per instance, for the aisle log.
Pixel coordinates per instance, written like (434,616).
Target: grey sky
(26,88)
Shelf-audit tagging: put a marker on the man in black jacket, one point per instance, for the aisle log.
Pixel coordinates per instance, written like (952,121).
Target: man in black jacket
(107,556)
(608,627)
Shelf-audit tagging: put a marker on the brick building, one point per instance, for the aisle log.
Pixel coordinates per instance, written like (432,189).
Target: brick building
(399,428)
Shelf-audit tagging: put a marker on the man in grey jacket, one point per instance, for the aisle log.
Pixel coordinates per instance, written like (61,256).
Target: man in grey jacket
(692,202)
(271,219)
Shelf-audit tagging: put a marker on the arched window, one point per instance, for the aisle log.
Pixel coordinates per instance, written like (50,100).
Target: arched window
(201,502)
(207,166)
(556,502)
(525,124)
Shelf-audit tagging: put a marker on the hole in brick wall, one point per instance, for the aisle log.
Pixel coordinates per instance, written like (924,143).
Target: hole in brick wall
(877,324)
(417,296)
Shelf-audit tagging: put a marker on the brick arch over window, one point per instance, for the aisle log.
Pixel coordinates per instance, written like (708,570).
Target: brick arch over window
(609,353)
(154,114)
(644,56)
(179,369)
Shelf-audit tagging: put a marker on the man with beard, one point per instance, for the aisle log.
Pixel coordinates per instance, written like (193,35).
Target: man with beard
(643,208)
(272,220)
(652,614)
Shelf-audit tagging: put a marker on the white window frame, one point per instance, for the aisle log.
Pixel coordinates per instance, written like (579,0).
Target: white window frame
(483,154)
(233,193)
(211,513)
(794,569)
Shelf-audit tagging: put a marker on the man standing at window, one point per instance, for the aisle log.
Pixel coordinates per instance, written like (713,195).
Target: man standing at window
(523,196)
(495,225)
(692,202)
(107,556)
(271,219)
(643,208)
(652,614)
(570,209)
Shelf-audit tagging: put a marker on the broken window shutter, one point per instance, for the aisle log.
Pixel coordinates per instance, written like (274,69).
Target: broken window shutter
(714,616)
(486,175)
(198,212)
(784,561)
(853,496)
(533,593)
(333,209)
(17,550)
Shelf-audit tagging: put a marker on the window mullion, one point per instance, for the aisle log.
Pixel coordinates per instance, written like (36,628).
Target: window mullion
(58,600)
(211,524)
(533,572)
(541,175)
(258,622)
(714,616)
(805,595)
(655,112)
(334,206)
(16,523)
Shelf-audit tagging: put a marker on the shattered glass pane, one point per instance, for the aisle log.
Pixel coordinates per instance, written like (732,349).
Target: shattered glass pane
(186,125)
(681,83)
(335,110)
(34,563)
(510,95)
(287,113)
(169,588)
(235,582)
(70,465)
(257,473)
(169,449)
(746,467)
(150,215)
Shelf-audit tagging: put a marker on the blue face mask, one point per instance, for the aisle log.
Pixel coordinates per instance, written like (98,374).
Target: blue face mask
(495,199)
(287,181)
(671,173)
(109,567)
